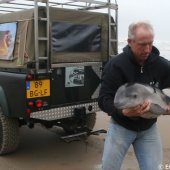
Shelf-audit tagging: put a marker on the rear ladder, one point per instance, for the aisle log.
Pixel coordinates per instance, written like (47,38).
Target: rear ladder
(38,20)
(113,27)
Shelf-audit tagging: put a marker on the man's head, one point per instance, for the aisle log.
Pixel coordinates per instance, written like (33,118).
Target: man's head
(140,39)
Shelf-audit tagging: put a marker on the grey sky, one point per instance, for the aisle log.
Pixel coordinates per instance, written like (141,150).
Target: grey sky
(157,12)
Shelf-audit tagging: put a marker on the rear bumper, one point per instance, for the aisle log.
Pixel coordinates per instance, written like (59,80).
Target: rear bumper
(64,112)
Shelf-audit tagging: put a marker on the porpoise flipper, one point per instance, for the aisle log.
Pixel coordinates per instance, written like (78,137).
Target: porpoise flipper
(157,109)
(149,115)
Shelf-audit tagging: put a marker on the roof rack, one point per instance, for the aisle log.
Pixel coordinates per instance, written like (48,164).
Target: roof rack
(7,6)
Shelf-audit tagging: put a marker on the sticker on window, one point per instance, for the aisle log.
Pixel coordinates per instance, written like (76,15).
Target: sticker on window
(7,40)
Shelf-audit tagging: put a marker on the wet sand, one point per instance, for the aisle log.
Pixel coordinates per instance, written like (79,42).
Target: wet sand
(42,149)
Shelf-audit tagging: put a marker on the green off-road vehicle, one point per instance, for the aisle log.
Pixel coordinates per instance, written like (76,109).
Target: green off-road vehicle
(51,59)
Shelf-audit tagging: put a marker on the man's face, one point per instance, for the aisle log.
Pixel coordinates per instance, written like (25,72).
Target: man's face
(141,45)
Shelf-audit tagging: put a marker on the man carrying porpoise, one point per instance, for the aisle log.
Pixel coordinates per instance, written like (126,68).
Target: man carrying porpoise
(139,62)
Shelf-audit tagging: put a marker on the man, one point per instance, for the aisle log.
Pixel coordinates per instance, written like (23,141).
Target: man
(139,62)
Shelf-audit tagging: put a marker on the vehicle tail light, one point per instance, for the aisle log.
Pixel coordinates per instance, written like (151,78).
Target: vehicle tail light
(39,103)
(29,77)
(31,104)
(28,110)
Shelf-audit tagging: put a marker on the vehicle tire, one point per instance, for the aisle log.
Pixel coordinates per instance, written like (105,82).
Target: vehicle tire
(9,134)
(71,126)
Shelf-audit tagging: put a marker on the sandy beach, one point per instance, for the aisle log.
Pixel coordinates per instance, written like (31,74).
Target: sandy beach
(42,149)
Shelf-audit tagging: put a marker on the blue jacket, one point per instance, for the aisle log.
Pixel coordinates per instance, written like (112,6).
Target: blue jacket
(124,68)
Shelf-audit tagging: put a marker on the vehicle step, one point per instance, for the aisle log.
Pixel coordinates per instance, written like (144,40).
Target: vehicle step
(81,135)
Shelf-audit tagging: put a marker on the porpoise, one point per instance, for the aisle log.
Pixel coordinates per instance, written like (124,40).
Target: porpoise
(134,94)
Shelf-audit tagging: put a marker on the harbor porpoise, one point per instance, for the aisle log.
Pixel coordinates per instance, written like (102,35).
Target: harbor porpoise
(134,94)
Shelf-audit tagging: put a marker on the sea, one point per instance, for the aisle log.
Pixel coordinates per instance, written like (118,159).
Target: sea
(163,47)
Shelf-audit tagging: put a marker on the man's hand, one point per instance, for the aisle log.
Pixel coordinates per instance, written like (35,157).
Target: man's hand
(138,110)
(168,110)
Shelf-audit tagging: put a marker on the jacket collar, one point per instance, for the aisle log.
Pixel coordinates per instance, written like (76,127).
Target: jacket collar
(152,57)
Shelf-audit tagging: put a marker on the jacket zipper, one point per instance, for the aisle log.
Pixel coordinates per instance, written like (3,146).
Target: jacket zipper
(141,69)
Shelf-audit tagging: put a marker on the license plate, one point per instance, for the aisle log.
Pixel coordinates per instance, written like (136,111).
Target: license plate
(38,88)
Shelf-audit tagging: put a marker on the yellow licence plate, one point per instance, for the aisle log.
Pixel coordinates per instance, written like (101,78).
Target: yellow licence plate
(38,88)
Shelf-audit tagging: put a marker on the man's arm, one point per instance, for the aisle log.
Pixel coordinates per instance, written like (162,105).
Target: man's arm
(111,80)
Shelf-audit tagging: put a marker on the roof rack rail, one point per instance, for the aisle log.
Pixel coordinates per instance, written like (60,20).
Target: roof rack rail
(17,5)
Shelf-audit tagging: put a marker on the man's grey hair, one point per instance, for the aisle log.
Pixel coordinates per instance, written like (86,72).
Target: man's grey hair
(133,26)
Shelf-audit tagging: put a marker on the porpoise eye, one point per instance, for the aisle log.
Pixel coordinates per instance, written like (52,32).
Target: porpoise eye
(135,96)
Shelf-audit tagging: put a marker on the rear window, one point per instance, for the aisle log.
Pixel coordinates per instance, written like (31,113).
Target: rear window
(71,37)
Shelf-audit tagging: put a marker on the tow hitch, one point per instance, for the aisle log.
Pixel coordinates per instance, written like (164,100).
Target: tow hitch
(82,135)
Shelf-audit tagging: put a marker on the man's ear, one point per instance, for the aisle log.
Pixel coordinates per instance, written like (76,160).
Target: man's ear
(129,41)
